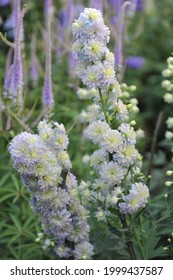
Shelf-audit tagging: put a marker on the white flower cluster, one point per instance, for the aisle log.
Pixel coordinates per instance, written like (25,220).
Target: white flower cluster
(167,83)
(44,166)
(117,158)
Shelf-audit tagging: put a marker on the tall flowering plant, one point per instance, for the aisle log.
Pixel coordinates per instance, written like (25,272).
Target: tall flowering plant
(119,184)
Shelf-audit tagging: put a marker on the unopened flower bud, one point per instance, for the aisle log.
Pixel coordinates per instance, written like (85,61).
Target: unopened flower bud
(166,73)
(169,172)
(168,183)
(133,123)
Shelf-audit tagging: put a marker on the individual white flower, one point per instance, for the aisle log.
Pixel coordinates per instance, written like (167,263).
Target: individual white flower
(142,191)
(121,110)
(97,158)
(94,50)
(112,173)
(111,140)
(126,155)
(92,76)
(128,133)
(137,198)
(83,251)
(96,131)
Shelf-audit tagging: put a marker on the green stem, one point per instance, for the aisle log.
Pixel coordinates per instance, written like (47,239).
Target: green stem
(127,233)
(103,106)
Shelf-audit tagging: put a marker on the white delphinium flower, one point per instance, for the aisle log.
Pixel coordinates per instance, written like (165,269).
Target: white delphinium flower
(97,158)
(112,173)
(96,131)
(113,197)
(126,155)
(83,251)
(128,133)
(94,111)
(121,110)
(137,198)
(111,140)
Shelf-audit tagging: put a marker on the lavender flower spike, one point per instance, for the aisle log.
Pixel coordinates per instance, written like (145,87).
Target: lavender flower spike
(17,64)
(96,4)
(48,9)
(4,2)
(47,97)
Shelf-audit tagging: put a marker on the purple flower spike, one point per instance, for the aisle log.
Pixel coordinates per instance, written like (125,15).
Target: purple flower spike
(47,97)
(4,2)
(66,15)
(140,5)
(17,82)
(96,4)
(34,68)
(13,84)
(135,62)
(48,9)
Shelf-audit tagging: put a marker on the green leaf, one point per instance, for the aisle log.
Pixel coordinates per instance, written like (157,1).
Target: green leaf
(16,183)
(5,197)
(16,222)
(4,178)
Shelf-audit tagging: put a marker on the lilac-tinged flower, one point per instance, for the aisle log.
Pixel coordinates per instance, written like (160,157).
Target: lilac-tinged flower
(135,62)
(137,198)
(83,251)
